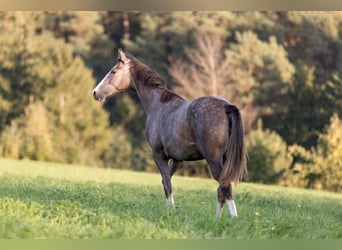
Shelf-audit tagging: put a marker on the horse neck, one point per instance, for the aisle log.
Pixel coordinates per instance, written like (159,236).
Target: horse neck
(149,87)
(149,96)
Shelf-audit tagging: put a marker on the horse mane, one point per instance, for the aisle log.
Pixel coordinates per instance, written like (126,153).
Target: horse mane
(145,74)
(151,78)
(167,95)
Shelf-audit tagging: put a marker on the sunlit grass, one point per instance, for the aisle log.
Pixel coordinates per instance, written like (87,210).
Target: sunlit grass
(44,200)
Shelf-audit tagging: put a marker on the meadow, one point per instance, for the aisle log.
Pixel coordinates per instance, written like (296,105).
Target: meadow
(55,201)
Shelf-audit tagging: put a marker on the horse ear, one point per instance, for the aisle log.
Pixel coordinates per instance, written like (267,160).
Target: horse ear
(122,56)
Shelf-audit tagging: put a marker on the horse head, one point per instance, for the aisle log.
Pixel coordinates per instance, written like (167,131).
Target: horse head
(117,79)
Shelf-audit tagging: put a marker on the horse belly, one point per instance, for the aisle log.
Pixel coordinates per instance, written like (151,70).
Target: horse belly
(183,152)
(180,145)
(176,135)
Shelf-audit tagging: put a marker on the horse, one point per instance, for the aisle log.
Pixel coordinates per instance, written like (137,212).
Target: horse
(178,130)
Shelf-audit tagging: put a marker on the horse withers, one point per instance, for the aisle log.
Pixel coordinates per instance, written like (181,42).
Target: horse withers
(178,130)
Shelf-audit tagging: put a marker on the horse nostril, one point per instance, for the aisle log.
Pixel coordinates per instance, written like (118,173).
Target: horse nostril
(94,93)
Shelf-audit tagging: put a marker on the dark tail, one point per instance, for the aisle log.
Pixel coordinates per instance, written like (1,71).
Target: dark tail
(235,156)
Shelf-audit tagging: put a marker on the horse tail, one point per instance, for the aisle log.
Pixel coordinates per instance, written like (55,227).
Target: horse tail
(234,164)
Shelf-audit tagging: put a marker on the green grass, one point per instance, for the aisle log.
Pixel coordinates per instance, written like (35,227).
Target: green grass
(45,200)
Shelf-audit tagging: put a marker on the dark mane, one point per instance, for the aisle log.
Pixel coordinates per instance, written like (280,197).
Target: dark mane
(145,74)
(168,95)
(151,78)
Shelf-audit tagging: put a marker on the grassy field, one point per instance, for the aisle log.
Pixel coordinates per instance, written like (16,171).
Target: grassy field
(45,200)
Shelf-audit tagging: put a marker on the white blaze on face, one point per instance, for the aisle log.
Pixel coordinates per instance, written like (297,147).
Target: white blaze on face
(99,85)
(104,78)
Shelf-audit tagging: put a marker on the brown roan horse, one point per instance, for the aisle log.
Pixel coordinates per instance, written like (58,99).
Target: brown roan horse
(179,130)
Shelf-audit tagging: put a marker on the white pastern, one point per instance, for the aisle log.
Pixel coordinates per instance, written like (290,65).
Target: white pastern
(170,201)
(218,210)
(232,208)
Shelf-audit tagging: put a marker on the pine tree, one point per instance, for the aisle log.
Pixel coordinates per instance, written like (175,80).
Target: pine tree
(327,169)
(21,78)
(44,81)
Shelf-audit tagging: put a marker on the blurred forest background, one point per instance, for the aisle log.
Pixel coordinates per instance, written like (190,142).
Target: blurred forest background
(282,69)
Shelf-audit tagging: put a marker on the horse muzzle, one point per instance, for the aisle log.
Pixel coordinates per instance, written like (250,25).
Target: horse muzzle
(98,96)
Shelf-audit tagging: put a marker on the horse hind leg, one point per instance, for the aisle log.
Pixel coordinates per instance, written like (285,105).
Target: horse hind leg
(220,202)
(225,195)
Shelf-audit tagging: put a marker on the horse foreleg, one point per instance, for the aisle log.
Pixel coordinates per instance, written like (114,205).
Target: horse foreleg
(162,163)
(170,201)
(174,165)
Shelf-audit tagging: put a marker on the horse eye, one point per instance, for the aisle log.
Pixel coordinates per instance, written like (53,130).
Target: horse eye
(112,71)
